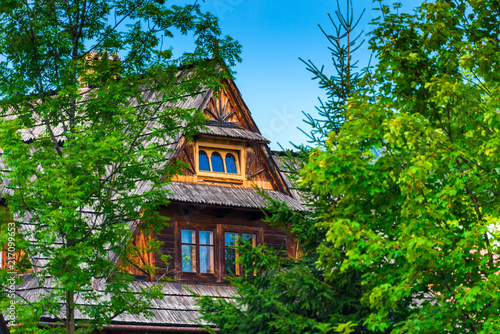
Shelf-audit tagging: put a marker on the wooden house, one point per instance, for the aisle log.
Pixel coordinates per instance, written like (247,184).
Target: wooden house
(214,203)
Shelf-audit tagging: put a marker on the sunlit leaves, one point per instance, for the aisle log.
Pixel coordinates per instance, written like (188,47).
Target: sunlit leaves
(417,220)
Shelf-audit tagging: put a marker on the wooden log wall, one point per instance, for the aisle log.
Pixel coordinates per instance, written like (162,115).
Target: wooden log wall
(219,220)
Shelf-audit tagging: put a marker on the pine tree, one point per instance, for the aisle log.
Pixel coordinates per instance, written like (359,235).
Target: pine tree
(286,295)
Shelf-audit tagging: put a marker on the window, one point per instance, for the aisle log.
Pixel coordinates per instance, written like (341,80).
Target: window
(211,161)
(231,164)
(206,252)
(203,161)
(197,248)
(230,254)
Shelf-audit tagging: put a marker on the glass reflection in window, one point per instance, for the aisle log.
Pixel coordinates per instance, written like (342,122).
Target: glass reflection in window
(231,164)
(203,161)
(251,238)
(206,252)
(230,252)
(188,239)
(217,163)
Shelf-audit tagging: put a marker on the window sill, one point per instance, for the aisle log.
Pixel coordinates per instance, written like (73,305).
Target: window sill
(224,177)
(198,278)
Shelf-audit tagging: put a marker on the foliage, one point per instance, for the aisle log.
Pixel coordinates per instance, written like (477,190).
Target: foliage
(282,295)
(417,223)
(290,295)
(417,220)
(89,97)
(340,86)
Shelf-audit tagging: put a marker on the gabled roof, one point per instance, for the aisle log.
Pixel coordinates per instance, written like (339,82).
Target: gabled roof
(234,121)
(178,308)
(239,125)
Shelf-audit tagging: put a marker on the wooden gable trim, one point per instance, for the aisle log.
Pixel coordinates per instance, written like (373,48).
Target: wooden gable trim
(206,99)
(276,181)
(222,108)
(239,107)
(245,111)
(265,158)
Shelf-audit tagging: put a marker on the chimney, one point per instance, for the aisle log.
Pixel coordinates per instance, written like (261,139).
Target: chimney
(97,67)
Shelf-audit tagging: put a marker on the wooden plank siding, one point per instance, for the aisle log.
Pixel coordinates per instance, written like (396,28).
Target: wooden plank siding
(167,236)
(143,258)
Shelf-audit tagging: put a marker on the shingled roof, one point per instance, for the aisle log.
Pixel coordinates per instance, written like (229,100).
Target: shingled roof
(177,308)
(230,196)
(228,130)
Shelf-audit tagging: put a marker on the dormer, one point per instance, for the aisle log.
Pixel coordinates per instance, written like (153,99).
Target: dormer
(229,150)
(216,161)
(215,203)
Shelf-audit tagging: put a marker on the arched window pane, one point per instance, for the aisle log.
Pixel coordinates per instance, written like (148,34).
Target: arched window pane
(231,164)
(217,164)
(203,161)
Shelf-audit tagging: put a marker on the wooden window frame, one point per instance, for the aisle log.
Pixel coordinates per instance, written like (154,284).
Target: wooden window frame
(219,231)
(223,150)
(240,230)
(195,275)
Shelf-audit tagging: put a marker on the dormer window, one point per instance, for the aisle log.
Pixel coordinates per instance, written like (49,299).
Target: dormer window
(219,162)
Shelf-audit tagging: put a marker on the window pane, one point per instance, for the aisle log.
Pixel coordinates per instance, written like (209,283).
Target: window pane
(188,258)
(250,237)
(206,238)
(206,259)
(188,237)
(230,253)
(203,161)
(231,164)
(230,239)
(217,164)
(230,258)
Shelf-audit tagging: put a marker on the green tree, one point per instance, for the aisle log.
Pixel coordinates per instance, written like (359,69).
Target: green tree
(418,221)
(294,295)
(89,99)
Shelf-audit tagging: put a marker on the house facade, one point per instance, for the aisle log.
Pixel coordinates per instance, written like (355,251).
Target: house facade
(213,204)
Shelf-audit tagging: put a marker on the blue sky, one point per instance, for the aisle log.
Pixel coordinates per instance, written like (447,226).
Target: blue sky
(274,33)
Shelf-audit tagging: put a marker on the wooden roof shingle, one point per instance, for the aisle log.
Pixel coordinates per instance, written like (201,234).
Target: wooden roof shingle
(231,196)
(218,130)
(177,308)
